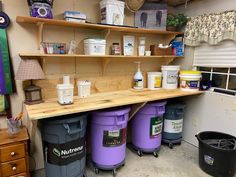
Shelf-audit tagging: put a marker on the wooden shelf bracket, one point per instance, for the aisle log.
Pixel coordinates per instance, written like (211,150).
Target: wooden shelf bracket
(40,26)
(135,108)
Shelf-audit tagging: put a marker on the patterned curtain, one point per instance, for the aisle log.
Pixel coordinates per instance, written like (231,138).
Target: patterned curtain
(212,28)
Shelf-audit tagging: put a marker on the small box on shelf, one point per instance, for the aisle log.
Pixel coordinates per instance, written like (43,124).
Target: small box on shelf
(156,50)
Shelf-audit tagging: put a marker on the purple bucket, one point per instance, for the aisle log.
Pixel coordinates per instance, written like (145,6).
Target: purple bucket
(108,137)
(147,127)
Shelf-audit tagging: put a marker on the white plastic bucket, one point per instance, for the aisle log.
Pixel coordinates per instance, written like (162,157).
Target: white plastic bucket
(65,93)
(190,80)
(95,47)
(154,80)
(170,76)
(112,12)
(84,88)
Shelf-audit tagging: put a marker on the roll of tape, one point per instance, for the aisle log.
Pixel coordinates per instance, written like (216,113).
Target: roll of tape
(4,20)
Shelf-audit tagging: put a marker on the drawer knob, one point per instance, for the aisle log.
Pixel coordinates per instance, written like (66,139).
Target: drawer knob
(13,154)
(14,168)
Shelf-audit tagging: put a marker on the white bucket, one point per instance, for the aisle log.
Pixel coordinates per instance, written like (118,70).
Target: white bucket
(112,12)
(95,47)
(170,76)
(190,80)
(154,80)
(84,88)
(65,93)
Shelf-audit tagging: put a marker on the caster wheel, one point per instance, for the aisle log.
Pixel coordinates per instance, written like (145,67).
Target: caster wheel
(84,175)
(140,153)
(171,145)
(96,170)
(114,172)
(155,154)
(123,164)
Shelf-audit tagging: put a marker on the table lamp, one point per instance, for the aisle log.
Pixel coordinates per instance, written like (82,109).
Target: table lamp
(31,70)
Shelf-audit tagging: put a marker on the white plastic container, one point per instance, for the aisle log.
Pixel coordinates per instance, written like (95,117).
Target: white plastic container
(170,76)
(95,47)
(154,80)
(65,91)
(84,88)
(190,80)
(112,12)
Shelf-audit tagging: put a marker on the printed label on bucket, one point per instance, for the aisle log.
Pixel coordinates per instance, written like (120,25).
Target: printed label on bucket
(114,138)
(173,126)
(209,160)
(64,154)
(172,77)
(155,126)
(190,84)
(157,82)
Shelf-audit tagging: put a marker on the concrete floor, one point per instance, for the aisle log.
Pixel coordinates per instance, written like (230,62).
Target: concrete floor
(182,161)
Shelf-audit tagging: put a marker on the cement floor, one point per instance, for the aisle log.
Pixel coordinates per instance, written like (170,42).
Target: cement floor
(182,161)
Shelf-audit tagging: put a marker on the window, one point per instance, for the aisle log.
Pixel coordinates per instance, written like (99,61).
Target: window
(218,65)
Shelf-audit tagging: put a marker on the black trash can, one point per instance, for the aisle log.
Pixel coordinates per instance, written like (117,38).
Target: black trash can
(217,153)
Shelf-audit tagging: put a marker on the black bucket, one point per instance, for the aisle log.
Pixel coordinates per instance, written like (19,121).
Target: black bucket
(217,153)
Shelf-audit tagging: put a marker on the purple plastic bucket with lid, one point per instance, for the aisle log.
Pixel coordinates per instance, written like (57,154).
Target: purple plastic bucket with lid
(147,127)
(108,137)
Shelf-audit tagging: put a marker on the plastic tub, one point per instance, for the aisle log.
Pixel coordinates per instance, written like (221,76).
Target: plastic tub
(173,124)
(64,145)
(170,76)
(217,153)
(112,12)
(84,88)
(154,80)
(95,47)
(147,127)
(190,80)
(108,138)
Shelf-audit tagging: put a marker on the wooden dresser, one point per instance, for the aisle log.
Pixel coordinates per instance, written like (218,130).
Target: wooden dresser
(14,154)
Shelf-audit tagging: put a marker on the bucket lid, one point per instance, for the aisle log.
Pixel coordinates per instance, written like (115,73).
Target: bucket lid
(100,41)
(154,73)
(170,67)
(112,112)
(190,72)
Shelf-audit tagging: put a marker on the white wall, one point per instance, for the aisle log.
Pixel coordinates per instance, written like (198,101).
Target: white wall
(211,111)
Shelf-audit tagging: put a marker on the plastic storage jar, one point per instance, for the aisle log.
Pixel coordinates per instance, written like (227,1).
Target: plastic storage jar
(170,76)
(190,80)
(94,46)
(154,80)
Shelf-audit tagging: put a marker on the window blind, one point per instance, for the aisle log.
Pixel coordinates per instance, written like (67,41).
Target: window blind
(221,55)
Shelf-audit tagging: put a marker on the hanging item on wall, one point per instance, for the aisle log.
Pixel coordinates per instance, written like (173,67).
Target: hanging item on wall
(134,5)
(4,19)
(5,60)
(152,16)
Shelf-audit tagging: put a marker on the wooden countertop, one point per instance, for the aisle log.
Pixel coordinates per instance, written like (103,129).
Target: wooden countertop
(50,108)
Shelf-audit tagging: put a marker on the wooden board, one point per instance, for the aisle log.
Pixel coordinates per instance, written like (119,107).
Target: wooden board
(7,138)
(35,55)
(23,19)
(50,108)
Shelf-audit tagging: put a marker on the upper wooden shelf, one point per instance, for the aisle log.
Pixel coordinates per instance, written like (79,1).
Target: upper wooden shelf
(54,22)
(50,108)
(37,55)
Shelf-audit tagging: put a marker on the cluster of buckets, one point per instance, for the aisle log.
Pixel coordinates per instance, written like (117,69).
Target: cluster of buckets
(171,77)
(64,138)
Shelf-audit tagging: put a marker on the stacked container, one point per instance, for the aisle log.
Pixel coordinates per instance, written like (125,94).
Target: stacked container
(64,146)
(173,124)
(147,128)
(108,138)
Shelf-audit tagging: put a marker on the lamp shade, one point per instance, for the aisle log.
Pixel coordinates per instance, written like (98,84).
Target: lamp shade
(29,70)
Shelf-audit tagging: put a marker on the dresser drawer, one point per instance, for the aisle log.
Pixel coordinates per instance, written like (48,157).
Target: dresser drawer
(14,167)
(20,175)
(12,152)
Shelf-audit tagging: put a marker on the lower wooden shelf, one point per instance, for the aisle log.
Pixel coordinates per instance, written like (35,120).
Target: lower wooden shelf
(50,108)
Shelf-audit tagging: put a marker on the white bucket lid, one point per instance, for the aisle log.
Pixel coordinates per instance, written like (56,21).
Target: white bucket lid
(95,41)
(155,73)
(112,2)
(171,67)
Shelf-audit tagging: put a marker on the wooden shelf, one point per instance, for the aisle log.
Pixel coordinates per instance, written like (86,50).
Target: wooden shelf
(54,22)
(35,55)
(50,108)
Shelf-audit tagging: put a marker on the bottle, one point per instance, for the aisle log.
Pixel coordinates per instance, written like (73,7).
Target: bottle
(138,78)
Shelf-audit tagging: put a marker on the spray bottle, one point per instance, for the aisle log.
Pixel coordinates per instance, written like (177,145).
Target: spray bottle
(138,78)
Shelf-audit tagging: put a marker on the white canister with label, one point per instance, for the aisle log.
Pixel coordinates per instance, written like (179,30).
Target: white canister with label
(170,76)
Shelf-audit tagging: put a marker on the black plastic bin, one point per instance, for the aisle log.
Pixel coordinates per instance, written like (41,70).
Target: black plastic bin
(217,153)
